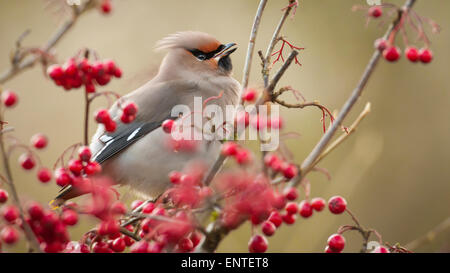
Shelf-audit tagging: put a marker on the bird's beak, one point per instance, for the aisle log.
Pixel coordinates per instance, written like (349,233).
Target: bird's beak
(227,50)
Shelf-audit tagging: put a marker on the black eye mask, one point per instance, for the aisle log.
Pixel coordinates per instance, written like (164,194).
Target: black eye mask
(205,56)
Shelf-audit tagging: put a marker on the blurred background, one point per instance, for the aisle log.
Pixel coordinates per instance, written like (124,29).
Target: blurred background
(394,171)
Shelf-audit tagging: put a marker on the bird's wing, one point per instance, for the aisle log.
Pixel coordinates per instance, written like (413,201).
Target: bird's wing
(155,104)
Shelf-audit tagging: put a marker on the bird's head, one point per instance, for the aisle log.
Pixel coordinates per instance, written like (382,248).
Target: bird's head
(198,52)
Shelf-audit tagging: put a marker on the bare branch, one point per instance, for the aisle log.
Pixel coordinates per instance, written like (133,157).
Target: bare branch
(308,163)
(33,59)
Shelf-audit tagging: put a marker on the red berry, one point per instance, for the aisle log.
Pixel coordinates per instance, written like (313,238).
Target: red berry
(3,196)
(242,118)
(269,159)
(110,126)
(89,87)
(62,177)
(92,168)
(257,244)
(117,72)
(102,116)
(118,208)
(27,161)
(268,228)
(55,72)
(291,194)
(130,109)
(10,213)
(140,247)
(69,217)
(275,218)
(229,148)
(289,218)
(39,141)
(291,208)
(290,171)
(9,98)
(101,247)
(127,119)
(9,235)
(258,122)
(195,237)
(381,44)
(106,6)
(35,211)
(108,227)
(243,157)
(128,241)
(249,95)
(148,208)
(329,250)
(70,68)
(118,245)
(425,55)
(306,209)
(185,245)
(175,177)
(103,79)
(167,125)
(276,123)
(318,204)
(391,53)
(44,175)
(76,166)
(84,153)
(337,204)
(412,54)
(380,249)
(336,242)
(375,11)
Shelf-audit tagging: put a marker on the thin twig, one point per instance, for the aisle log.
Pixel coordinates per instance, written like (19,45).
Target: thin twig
(273,42)
(33,59)
(430,235)
(34,244)
(308,163)
(344,136)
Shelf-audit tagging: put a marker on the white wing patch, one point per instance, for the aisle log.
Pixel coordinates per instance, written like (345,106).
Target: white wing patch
(131,136)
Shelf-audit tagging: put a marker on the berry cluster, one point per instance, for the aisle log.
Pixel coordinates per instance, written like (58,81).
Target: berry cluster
(78,72)
(240,154)
(387,46)
(277,165)
(392,53)
(72,174)
(129,112)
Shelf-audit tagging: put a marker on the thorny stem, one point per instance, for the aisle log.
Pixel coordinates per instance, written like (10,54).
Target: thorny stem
(308,163)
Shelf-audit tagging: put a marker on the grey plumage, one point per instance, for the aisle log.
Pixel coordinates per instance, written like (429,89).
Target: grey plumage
(135,153)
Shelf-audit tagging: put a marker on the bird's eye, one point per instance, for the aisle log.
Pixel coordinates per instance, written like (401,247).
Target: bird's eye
(201,57)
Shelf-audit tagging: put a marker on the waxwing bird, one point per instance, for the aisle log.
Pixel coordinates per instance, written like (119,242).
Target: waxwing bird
(196,65)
